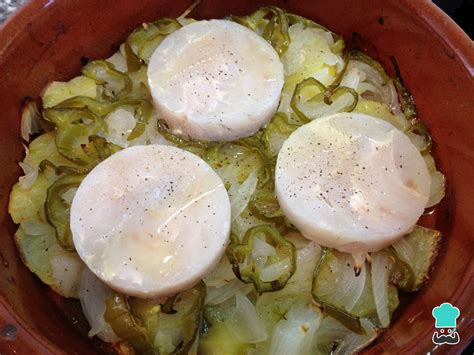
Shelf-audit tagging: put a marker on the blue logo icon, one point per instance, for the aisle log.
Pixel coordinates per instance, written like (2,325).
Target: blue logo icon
(445,316)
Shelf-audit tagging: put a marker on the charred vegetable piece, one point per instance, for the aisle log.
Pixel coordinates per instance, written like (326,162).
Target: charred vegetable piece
(143,41)
(321,100)
(418,250)
(250,269)
(58,208)
(274,30)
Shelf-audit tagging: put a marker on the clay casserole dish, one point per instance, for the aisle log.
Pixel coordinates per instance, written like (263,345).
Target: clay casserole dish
(46,40)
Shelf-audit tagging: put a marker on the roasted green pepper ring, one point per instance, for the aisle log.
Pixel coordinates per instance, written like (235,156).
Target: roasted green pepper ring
(264,205)
(143,110)
(144,323)
(245,266)
(58,210)
(181,142)
(119,315)
(73,128)
(325,94)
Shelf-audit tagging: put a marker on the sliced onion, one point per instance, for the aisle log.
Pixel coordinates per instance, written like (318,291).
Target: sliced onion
(404,250)
(120,123)
(354,342)
(346,288)
(222,284)
(295,334)
(380,273)
(320,109)
(437,189)
(331,332)
(307,259)
(273,271)
(323,75)
(221,274)
(67,268)
(373,85)
(119,62)
(93,295)
(262,248)
(352,78)
(245,324)
(30,172)
(331,59)
(218,295)
(68,196)
(35,228)
(394,101)
(244,222)
(240,194)
(29,120)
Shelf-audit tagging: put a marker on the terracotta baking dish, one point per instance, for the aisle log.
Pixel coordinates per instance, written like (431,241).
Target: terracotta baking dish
(46,41)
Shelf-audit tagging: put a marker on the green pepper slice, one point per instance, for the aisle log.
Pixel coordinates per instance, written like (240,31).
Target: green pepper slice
(143,41)
(300,104)
(118,314)
(73,128)
(264,204)
(154,328)
(246,267)
(97,149)
(181,142)
(58,210)
(143,109)
(401,275)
